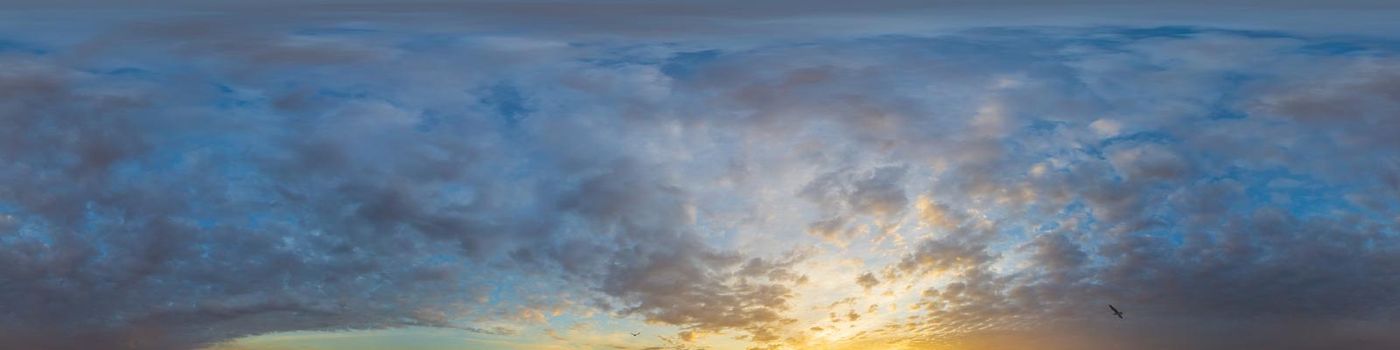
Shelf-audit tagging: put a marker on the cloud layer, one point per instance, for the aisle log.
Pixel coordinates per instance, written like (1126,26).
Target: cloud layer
(170,185)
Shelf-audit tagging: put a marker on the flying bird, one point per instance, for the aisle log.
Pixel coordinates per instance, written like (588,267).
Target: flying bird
(1115,311)
(636,334)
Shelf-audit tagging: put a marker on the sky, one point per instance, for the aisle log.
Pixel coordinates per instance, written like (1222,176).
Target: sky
(749,175)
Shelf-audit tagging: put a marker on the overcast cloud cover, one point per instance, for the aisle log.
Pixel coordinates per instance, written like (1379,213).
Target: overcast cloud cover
(720,175)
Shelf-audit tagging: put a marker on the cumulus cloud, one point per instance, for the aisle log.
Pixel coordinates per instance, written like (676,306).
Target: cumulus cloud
(199,208)
(168,186)
(1157,219)
(846,196)
(867,280)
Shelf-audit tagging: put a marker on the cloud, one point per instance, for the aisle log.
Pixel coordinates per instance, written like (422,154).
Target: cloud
(846,196)
(197,209)
(867,280)
(174,185)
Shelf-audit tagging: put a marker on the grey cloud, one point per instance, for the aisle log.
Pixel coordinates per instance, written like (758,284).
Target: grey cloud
(1175,223)
(867,280)
(149,216)
(879,194)
(224,195)
(722,18)
(846,195)
(1059,256)
(956,251)
(1147,162)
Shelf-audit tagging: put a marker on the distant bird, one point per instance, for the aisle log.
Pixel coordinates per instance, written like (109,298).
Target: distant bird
(1115,311)
(636,334)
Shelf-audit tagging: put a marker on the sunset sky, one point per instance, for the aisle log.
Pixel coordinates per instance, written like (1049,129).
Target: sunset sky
(944,175)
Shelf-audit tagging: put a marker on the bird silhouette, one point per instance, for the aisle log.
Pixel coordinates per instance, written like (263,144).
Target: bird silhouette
(1115,311)
(636,334)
